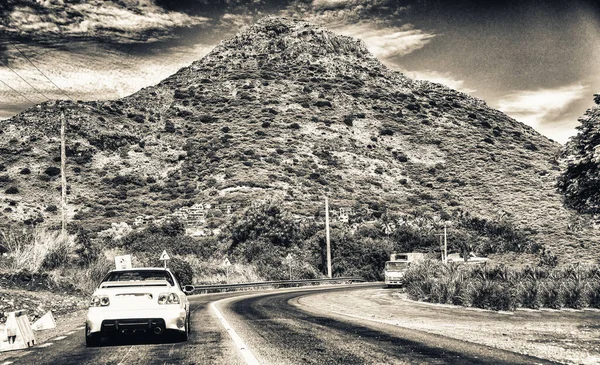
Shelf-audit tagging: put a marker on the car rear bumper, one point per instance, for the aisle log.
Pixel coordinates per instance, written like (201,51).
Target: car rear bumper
(130,321)
(394,282)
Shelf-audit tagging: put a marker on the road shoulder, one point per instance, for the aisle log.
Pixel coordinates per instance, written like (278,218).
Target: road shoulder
(570,337)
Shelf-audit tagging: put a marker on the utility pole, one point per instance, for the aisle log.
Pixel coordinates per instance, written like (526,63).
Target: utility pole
(445,245)
(441,246)
(63,176)
(327,238)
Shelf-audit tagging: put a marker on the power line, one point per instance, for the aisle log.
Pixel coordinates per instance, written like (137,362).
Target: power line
(23,96)
(27,82)
(40,71)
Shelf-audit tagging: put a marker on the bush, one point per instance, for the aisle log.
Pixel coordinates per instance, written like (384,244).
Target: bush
(488,294)
(86,249)
(51,208)
(503,288)
(12,190)
(52,171)
(527,294)
(57,256)
(183,271)
(549,294)
(572,294)
(592,294)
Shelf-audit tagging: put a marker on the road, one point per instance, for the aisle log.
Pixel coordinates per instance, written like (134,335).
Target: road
(276,331)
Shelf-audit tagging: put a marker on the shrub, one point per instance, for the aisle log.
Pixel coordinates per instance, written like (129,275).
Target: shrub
(52,171)
(25,171)
(549,294)
(95,272)
(572,294)
(527,294)
(349,120)
(183,271)
(57,256)
(12,190)
(85,248)
(592,294)
(488,294)
(51,208)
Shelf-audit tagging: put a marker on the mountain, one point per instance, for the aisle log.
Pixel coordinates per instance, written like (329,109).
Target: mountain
(287,110)
(580,180)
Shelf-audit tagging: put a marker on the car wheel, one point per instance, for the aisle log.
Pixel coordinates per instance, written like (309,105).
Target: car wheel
(91,339)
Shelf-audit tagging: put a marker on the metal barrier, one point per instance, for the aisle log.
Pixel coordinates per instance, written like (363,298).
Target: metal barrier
(278,284)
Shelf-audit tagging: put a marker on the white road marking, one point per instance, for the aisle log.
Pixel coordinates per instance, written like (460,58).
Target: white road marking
(46,345)
(244,350)
(70,332)
(80,328)
(121,362)
(58,338)
(7,363)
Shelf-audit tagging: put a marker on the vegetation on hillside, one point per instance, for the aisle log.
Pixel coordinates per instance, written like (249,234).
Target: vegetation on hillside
(291,111)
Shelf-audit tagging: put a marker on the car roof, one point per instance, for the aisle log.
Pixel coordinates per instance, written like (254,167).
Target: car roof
(142,269)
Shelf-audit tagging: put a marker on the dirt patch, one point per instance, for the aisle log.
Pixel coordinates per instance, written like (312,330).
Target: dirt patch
(567,336)
(38,303)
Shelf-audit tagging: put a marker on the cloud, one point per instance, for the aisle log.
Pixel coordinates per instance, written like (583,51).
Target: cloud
(122,20)
(329,3)
(540,107)
(96,74)
(443,78)
(386,42)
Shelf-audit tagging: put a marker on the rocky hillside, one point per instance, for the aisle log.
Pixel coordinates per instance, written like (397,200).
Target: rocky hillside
(290,111)
(580,181)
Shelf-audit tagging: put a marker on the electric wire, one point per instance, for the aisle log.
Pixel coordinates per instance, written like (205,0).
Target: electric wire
(40,71)
(20,94)
(21,77)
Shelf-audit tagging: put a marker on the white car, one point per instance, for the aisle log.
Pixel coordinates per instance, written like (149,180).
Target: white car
(142,300)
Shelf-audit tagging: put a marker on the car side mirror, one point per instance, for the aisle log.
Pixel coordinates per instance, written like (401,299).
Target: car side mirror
(188,289)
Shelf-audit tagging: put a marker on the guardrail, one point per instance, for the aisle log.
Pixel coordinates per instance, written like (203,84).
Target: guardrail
(275,284)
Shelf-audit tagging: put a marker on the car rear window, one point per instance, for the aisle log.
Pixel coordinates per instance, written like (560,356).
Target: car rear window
(141,275)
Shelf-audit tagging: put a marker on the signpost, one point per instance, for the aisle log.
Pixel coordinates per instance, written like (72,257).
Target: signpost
(226,263)
(123,262)
(164,257)
(289,259)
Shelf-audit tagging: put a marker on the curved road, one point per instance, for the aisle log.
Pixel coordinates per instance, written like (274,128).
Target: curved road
(277,331)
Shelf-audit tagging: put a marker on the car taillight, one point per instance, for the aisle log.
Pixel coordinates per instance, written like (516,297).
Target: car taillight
(99,301)
(168,298)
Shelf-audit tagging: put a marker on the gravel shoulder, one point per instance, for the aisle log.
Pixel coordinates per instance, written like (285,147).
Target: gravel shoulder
(566,336)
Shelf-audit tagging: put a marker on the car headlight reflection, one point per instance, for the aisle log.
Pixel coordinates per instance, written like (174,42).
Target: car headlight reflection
(99,301)
(168,298)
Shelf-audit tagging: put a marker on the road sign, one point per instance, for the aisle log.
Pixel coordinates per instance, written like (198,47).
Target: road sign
(46,322)
(164,256)
(123,262)
(289,259)
(226,262)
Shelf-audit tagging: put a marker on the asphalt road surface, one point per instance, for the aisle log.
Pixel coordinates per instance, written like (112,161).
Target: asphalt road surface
(274,330)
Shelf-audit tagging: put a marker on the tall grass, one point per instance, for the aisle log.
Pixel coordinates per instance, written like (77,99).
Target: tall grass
(37,249)
(498,287)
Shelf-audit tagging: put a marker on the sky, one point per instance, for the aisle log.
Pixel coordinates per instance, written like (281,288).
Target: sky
(535,60)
